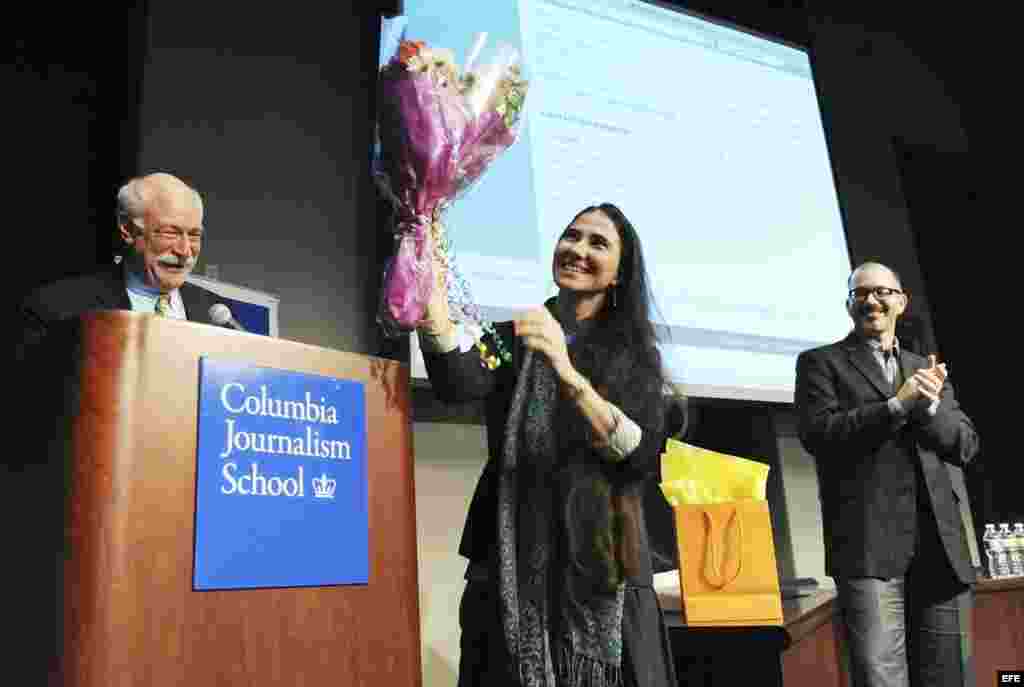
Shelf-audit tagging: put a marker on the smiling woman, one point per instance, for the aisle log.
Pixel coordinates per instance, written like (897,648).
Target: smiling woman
(575,430)
(586,260)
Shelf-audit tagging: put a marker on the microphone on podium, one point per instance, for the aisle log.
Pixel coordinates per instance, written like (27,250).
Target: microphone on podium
(220,315)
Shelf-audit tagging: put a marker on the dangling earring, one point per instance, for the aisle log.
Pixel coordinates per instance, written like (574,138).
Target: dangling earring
(613,289)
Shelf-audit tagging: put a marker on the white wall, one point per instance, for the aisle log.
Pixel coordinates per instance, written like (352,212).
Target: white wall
(799,484)
(449,458)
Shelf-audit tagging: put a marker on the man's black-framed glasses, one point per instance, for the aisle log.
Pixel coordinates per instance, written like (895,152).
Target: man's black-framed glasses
(861,293)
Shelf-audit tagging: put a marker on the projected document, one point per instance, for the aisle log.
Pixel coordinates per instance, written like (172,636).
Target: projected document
(708,138)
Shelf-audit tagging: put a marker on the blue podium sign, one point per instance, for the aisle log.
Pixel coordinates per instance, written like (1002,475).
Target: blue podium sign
(281,497)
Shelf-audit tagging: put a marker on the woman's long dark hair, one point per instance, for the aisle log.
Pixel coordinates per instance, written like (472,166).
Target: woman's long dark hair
(621,355)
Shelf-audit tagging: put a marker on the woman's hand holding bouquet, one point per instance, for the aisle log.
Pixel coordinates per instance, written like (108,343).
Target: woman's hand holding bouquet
(439,128)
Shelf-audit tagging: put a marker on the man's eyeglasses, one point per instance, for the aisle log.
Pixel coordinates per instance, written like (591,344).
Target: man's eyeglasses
(861,293)
(176,234)
(171,233)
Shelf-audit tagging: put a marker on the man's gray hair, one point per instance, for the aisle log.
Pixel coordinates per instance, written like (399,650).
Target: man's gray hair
(133,197)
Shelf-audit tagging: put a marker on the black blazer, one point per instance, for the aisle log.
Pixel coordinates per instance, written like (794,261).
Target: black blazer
(47,349)
(867,465)
(458,377)
(58,302)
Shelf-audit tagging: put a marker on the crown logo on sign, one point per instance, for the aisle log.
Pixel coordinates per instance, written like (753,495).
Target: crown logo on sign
(324,486)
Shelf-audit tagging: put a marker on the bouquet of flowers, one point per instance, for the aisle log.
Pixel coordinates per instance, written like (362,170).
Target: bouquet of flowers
(439,128)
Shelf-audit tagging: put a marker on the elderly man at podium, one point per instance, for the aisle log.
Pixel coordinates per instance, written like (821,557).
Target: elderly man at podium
(160,220)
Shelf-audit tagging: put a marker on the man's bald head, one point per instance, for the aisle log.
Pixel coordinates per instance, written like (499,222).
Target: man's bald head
(872,266)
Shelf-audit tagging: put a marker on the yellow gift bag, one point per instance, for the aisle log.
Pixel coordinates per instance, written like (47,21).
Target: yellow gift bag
(727,573)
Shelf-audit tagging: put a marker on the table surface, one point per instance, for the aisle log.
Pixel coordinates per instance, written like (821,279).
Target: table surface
(803,614)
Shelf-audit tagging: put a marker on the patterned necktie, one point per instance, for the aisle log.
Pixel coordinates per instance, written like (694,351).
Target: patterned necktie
(891,367)
(163,305)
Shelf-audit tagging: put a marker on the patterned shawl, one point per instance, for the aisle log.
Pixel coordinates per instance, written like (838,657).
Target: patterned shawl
(560,575)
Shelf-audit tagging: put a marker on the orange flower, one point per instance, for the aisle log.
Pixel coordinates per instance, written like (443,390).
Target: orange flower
(409,49)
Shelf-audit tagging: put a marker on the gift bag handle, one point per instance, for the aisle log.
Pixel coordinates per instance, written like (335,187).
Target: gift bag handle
(714,559)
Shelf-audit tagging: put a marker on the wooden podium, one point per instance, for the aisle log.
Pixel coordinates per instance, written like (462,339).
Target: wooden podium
(131,616)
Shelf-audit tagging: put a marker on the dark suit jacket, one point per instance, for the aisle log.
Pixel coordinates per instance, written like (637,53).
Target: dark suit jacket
(458,377)
(869,470)
(47,350)
(56,303)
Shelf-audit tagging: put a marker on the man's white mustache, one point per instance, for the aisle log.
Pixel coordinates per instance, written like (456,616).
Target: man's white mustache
(170,261)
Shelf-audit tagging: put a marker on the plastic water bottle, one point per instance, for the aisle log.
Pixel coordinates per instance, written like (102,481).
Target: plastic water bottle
(1015,549)
(1004,536)
(991,545)
(991,550)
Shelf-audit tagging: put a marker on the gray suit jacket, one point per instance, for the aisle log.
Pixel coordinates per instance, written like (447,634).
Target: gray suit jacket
(867,466)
